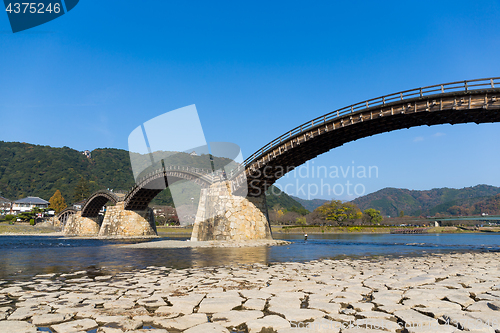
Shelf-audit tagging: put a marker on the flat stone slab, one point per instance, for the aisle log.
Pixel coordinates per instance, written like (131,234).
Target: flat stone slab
(182,323)
(50,319)
(297,315)
(235,318)
(255,304)
(207,328)
(11,326)
(273,321)
(75,326)
(219,304)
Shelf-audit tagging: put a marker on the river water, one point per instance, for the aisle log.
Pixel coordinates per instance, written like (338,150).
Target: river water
(22,257)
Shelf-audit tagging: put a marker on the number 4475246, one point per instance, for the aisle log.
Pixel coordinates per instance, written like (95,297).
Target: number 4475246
(33,8)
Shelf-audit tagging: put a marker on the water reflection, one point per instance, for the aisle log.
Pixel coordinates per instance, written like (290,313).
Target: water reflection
(23,257)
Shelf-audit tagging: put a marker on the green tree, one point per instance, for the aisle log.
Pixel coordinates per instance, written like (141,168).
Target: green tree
(301,220)
(29,215)
(401,214)
(57,202)
(340,212)
(373,215)
(82,190)
(302,211)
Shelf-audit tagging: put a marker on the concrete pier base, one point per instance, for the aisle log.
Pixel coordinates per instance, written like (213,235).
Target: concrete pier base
(224,216)
(125,223)
(82,226)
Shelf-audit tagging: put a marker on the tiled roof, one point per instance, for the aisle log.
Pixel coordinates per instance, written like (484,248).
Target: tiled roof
(32,200)
(2,199)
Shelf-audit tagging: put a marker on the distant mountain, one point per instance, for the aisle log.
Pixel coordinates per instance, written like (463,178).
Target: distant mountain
(310,205)
(276,197)
(392,201)
(28,169)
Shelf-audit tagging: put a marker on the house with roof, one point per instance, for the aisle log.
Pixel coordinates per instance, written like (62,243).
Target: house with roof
(27,204)
(78,205)
(5,205)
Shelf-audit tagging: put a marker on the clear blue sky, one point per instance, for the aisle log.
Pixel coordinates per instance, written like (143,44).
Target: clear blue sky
(255,70)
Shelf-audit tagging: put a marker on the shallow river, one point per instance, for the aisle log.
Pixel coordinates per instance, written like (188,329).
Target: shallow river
(24,256)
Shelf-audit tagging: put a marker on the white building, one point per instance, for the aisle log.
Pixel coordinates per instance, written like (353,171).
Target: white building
(78,205)
(27,204)
(5,205)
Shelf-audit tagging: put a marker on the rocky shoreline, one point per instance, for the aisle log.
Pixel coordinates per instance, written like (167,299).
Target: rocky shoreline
(435,293)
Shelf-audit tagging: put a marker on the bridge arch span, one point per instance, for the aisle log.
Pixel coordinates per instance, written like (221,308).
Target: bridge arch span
(64,215)
(96,201)
(475,101)
(146,189)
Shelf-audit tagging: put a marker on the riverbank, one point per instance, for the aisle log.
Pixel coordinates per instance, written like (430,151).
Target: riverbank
(436,292)
(183,232)
(374,229)
(25,229)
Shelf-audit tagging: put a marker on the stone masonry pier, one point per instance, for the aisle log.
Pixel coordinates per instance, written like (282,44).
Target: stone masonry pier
(117,222)
(121,222)
(224,216)
(77,225)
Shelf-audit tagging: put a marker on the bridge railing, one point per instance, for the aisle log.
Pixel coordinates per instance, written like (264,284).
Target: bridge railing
(459,86)
(213,176)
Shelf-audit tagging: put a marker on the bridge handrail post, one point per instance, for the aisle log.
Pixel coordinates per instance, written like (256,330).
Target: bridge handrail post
(466,87)
(492,83)
(442,88)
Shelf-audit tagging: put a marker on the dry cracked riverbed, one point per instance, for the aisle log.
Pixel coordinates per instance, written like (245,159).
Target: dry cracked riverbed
(437,293)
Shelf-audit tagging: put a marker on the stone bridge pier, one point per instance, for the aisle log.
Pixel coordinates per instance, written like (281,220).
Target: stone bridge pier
(77,225)
(117,222)
(120,222)
(224,216)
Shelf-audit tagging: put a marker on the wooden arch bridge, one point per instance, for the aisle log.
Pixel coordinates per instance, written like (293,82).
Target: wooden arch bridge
(471,101)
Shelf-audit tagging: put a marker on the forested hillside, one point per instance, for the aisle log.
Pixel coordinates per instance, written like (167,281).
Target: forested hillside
(446,201)
(311,204)
(33,170)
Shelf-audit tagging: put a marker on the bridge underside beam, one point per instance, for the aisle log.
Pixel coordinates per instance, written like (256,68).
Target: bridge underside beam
(475,108)
(96,202)
(142,199)
(94,207)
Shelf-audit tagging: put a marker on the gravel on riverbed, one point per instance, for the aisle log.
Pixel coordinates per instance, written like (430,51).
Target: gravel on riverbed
(435,293)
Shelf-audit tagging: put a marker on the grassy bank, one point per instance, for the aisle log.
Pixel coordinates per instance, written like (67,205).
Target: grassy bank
(371,229)
(174,231)
(26,229)
(277,229)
